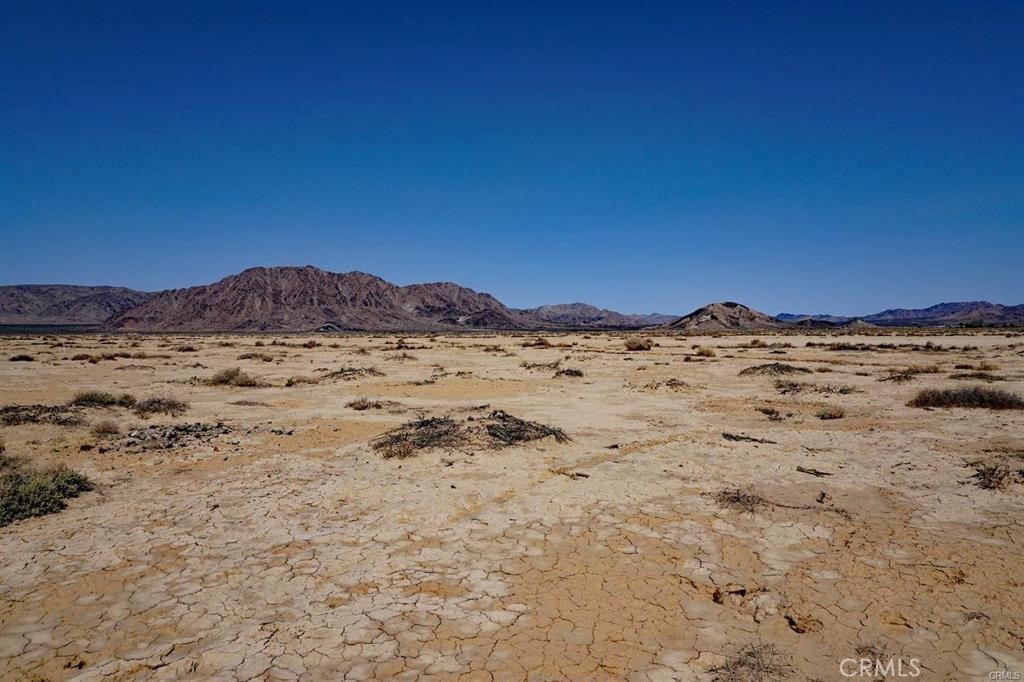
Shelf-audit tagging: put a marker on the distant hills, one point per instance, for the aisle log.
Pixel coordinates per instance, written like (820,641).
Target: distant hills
(309,299)
(964,313)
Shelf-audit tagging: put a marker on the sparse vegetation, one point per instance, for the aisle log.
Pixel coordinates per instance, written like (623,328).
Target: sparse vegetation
(704,352)
(232,377)
(350,373)
(423,433)
(569,372)
(60,415)
(830,412)
(102,399)
(22,358)
(105,428)
(186,349)
(297,380)
(972,397)
(160,405)
(365,404)
(635,344)
(741,500)
(539,342)
(979,376)
(509,430)
(754,663)
(26,492)
(265,357)
(992,476)
(773,369)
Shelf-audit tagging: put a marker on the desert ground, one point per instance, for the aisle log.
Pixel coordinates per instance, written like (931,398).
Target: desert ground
(692,523)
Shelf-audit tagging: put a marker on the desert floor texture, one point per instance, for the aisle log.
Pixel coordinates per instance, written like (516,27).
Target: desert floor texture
(671,538)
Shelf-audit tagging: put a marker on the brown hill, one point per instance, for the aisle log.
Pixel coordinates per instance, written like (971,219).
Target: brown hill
(727,316)
(307,299)
(585,315)
(30,304)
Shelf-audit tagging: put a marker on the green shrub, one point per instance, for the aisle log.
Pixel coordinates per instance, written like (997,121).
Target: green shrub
(25,493)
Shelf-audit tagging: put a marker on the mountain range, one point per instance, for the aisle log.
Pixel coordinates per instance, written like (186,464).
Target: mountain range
(310,299)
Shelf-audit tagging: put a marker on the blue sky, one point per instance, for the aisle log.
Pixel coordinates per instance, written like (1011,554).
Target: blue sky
(805,157)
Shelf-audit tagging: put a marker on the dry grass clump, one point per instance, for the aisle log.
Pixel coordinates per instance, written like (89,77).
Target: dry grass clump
(105,428)
(633,344)
(899,376)
(980,376)
(26,492)
(22,358)
(540,365)
(992,476)
(741,500)
(161,405)
(102,399)
(401,357)
(365,404)
(772,414)
(539,342)
(773,369)
(830,412)
(569,372)
(423,433)
(297,380)
(703,352)
(232,377)
(754,663)
(265,357)
(508,430)
(974,396)
(186,349)
(350,373)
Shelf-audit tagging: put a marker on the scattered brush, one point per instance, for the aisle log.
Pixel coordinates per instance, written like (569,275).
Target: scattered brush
(771,413)
(265,357)
(186,349)
(539,342)
(974,396)
(401,357)
(365,404)
(754,663)
(248,403)
(102,399)
(830,412)
(105,428)
(634,344)
(773,369)
(232,377)
(350,373)
(423,433)
(569,372)
(161,405)
(508,430)
(297,380)
(899,376)
(60,415)
(980,376)
(992,476)
(26,492)
(746,439)
(786,387)
(741,500)
(22,358)
(540,365)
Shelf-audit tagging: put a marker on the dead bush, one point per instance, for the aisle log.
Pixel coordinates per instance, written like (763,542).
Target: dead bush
(634,344)
(232,377)
(161,405)
(830,412)
(773,369)
(971,397)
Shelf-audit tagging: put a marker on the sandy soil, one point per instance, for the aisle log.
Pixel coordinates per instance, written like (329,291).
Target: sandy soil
(288,549)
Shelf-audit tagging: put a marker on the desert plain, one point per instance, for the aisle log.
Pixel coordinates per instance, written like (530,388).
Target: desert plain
(690,520)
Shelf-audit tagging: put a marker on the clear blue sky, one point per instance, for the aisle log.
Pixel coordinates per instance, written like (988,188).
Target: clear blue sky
(799,156)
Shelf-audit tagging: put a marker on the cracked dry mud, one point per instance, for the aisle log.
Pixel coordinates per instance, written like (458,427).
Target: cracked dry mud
(286,548)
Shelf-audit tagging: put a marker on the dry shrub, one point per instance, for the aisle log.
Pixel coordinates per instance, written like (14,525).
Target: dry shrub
(265,357)
(296,380)
(705,352)
(350,373)
(22,358)
(754,663)
(105,428)
(773,369)
(420,434)
(232,377)
(979,376)
(569,372)
(830,412)
(26,492)
(508,430)
(974,397)
(634,344)
(741,500)
(365,404)
(102,399)
(539,342)
(161,405)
